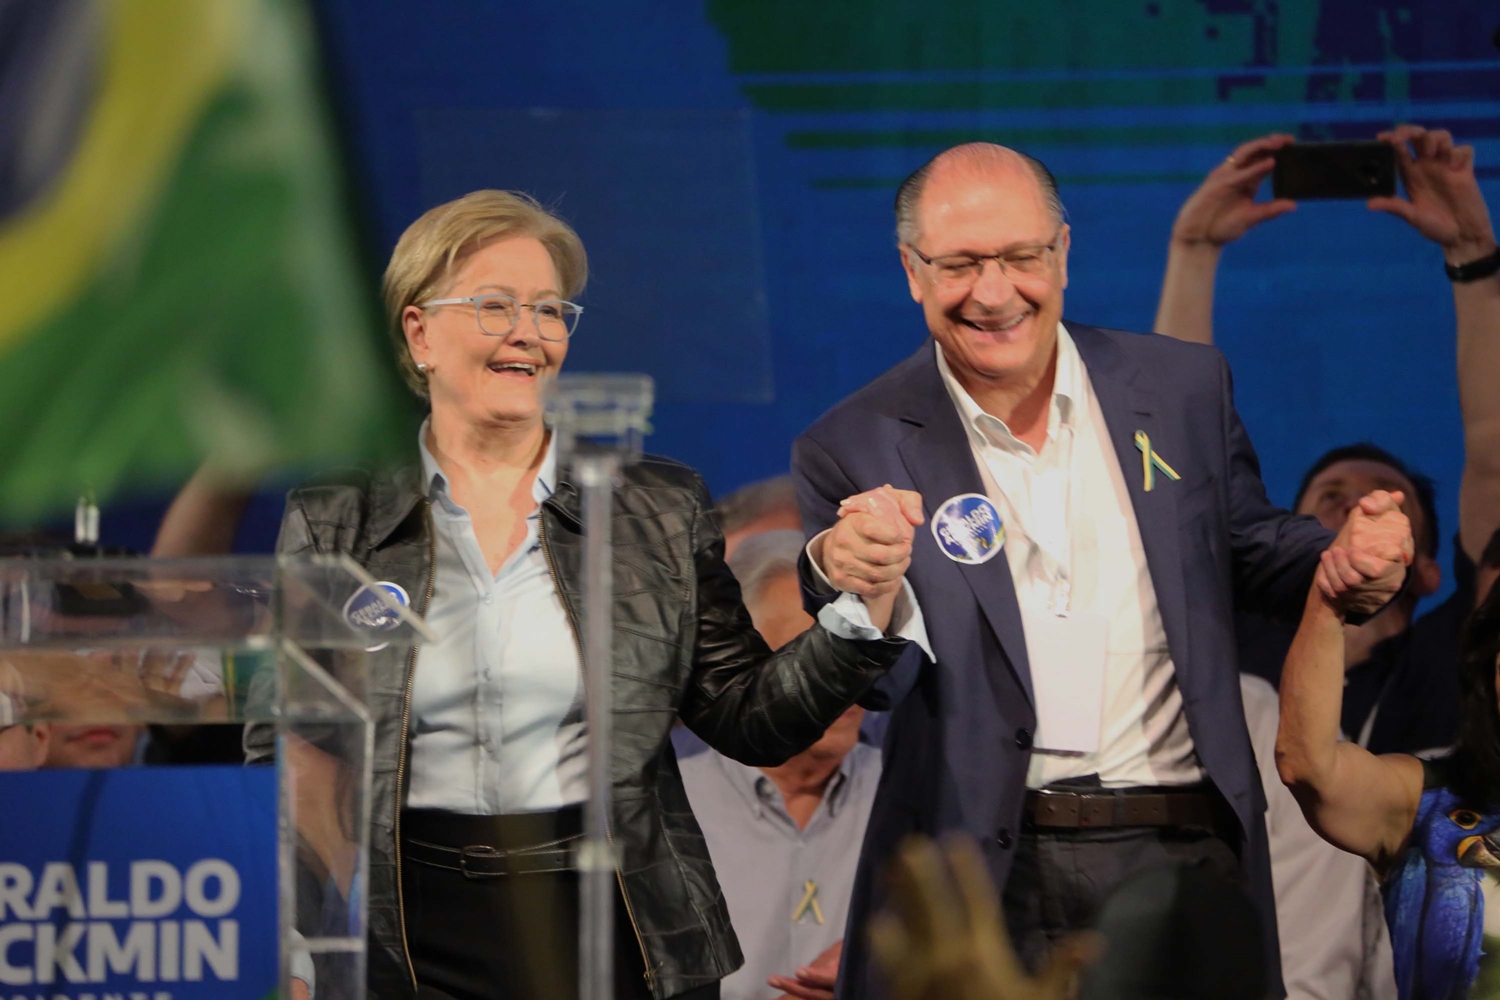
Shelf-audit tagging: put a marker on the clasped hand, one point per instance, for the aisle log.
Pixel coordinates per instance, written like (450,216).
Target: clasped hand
(868,550)
(1366,564)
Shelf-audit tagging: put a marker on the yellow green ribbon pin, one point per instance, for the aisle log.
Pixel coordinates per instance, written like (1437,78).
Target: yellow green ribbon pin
(1151,461)
(809,902)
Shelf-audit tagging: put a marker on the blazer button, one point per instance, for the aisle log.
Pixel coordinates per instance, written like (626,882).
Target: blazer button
(1023,739)
(1003,838)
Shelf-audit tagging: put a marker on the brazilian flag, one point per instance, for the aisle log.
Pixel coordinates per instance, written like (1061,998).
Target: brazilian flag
(179,277)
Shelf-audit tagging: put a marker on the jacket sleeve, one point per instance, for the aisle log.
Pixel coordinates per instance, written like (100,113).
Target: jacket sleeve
(295,538)
(1275,551)
(821,484)
(754,705)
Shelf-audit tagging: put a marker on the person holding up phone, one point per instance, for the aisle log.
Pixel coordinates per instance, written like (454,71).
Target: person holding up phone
(1402,673)
(1401,694)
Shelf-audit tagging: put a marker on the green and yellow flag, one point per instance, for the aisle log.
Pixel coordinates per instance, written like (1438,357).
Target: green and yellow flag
(179,278)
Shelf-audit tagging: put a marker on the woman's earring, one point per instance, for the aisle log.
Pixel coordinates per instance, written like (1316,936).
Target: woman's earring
(421,368)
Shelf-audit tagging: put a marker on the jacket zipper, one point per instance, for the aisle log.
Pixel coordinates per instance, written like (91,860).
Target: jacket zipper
(608,826)
(411,674)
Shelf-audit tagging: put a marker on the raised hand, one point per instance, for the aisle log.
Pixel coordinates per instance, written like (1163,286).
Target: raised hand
(1224,207)
(1366,564)
(943,938)
(868,550)
(1443,201)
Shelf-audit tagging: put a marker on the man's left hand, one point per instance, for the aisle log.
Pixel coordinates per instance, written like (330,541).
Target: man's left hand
(812,982)
(1366,564)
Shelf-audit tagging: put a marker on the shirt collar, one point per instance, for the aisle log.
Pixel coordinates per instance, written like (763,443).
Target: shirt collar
(437,483)
(759,790)
(1067,394)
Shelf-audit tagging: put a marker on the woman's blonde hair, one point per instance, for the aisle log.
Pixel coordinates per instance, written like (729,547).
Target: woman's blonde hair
(438,244)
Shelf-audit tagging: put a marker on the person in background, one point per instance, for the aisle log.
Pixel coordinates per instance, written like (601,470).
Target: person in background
(89,745)
(764,505)
(23,745)
(1488,570)
(1430,828)
(204,517)
(1334,944)
(1402,673)
(783,835)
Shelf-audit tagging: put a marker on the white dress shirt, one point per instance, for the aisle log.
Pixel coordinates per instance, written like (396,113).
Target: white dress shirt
(1334,941)
(498,720)
(1070,529)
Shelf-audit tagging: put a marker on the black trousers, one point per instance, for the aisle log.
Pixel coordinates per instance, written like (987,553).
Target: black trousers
(1060,878)
(508,937)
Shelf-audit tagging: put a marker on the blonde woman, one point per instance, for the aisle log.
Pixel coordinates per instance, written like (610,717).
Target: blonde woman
(480,737)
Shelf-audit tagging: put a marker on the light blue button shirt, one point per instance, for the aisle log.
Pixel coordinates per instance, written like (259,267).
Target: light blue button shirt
(497,702)
(764,862)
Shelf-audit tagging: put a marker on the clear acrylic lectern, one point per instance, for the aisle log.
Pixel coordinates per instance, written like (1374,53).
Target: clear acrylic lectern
(160,878)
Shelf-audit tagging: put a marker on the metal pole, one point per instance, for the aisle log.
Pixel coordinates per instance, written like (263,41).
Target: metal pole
(599,421)
(596,475)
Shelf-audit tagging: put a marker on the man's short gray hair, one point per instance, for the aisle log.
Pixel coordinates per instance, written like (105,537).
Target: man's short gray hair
(909,194)
(763,557)
(750,503)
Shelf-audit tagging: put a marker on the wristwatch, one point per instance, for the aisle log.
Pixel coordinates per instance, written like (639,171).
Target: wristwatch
(1474,270)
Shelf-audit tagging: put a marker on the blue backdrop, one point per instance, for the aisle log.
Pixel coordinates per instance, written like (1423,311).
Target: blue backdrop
(730,166)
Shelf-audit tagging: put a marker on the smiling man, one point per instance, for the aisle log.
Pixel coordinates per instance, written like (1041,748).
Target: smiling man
(1093,515)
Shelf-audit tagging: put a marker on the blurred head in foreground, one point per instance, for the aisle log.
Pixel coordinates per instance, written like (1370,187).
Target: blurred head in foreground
(479,294)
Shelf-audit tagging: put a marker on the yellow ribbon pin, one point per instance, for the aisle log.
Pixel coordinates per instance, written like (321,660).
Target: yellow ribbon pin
(1150,462)
(809,901)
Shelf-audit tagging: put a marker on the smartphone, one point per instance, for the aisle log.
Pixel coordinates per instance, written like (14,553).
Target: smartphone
(1334,170)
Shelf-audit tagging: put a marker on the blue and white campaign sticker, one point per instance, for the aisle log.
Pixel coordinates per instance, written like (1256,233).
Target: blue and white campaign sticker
(968,529)
(366,610)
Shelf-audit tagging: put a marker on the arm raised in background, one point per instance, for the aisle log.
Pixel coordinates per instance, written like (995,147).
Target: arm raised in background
(1221,211)
(1357,801)
(204,517)
(1443,203)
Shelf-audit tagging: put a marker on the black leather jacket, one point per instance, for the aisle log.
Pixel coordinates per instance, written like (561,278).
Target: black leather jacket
(683,646)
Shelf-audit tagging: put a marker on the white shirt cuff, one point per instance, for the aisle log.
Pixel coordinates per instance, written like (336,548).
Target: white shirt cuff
(848,618)
(302,964)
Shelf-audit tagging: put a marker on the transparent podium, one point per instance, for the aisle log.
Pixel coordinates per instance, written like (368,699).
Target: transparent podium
(139,872)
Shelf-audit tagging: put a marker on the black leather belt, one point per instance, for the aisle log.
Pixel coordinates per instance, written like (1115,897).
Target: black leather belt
(1061,810)
(483,861)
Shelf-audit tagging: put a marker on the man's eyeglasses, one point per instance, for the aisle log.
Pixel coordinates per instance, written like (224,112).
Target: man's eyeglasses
(498,314)
(963,269)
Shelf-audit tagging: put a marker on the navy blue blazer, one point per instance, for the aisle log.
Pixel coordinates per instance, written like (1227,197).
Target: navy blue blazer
(957,750)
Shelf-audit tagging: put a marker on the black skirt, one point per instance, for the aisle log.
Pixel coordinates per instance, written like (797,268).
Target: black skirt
(492,909)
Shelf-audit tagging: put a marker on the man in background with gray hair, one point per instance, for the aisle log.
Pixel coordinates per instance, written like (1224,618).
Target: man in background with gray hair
(784,839)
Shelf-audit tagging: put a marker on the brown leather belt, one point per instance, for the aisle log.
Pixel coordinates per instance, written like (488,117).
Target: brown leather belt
(1060,810)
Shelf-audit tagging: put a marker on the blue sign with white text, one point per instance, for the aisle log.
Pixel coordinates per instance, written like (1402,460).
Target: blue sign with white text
(157,883)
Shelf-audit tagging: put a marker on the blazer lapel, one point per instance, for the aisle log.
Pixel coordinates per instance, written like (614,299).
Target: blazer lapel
(1130,405)
(941,463)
